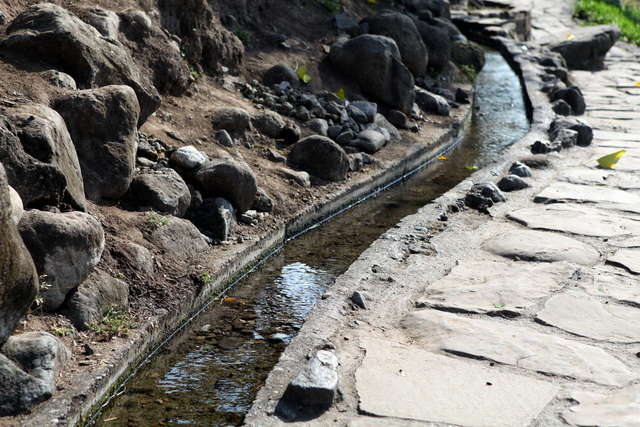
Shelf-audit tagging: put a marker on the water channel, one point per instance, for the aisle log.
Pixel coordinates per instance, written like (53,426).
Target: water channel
(210,373)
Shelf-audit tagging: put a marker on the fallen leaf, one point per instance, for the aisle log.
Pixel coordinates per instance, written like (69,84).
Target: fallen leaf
(471,168)
(340,93)
(303,74)
(610,160)
(636,84)
(442,158)
(326,48)
(570,37)
(230,299)
(110,419)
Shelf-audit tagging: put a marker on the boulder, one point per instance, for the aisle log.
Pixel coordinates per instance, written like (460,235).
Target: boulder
(216,217)
(520,169)
(18,277)
(263,202)
(432,103)
(223,137)
(484,195)
(59,79)
(439,8)
(268,123)
(17,208)
(180,238)
(233,120)
(65,248)
(545,147)
(134,256)
(567,138)
(403,31)
(588,47)
(467,53)
(49,34)
(301,178)
(188,158)
(94,297)
(382,125)
(369,141)
(573,96)
(438,42)
(321,157)
(40,158)
(398,119)
(561,107)
(512,183)
(28,370)
(585,133)
(102,124)
(230,179)
(105,21)
(370,109)
(374,62)
(161,190)
(280,73)
(318,126)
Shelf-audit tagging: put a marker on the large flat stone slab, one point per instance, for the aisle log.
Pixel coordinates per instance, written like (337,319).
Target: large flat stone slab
(620,286)
(495,287)
(618,409)
(586,316)
(562,192)
(413,384)
(616,136)
(627,258)
(602,177)
(576,219)
(515,345)
(627,242)
(541,246)
(629,162)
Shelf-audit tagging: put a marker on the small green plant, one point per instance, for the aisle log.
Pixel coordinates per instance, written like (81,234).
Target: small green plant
(156,220)
(115,323)
(469,71)
(43,286)
(194,75)
(207,278)
(333,6)
(245,37)
(624,13)
(62,331)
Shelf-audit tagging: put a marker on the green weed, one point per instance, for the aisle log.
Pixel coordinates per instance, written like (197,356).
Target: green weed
(156,220)
(115,323)
(207,278)
(469,71)
(625,14)
(245,37)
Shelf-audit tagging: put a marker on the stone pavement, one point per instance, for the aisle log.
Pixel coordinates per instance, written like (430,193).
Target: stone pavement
(536,322)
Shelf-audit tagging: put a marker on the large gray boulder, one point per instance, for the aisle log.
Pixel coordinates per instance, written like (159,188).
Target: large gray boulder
(432,103)
(321,157)
(587,49)
(102,124)
(180,238)
(229,179)
(232,119)
(97,294)
(49,34)
(28,369)
(404,32)
(18,277)
(469,54)
(437,40)
(216,217)
(39,157)
(162,190)
(374,62)
(65,248)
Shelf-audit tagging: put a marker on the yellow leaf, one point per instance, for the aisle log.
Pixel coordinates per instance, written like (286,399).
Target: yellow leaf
(230,299)
(610,160)
(471,168)
(340,93)
(306,78)
(442,158)
(636,84)
(372,1)
(570,37)
(302,73)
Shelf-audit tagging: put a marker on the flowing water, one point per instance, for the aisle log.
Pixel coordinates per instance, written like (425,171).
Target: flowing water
(210,373)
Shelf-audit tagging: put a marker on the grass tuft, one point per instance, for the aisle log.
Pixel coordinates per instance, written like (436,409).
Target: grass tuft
(625,14)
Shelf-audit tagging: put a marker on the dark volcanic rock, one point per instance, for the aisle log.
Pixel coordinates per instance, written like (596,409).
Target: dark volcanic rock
(432,103)
(321,157)
(280,73)
(483,196)
(230,179)
(162,190)
(216,217)
(465,52)
(512,183)
(572,96)
(545,147)
(520,169)
(589,46)
(585,133)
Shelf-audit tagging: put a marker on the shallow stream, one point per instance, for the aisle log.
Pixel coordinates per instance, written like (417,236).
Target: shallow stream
(210,373)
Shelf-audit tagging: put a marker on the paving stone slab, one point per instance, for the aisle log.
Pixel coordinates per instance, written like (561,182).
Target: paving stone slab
(515,345)
(406,382)
(562,192)
(631,242)
(365,421)
(601,177)
(618,409)
(627,258)
(614,115)
(540,246)
(602,135)
(576,219)
(622,287)
(496,287)
(589,317)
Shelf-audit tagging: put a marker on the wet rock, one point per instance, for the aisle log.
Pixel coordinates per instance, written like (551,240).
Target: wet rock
(94,297)
(223,137)
(520,169)
(312,391)
(376,65)
(280,73)
(318,126)
(483,196)
(263,202)
(59,79)
(587,49)
(162,190)
(103,126)
(561,107)
(216,217)
(359,300)
(50,34)
(545,147)
(268,123)
(585,133)
(403,31)
(230,179)
(468,53)
(55,238)
(321,157)
(29,378)
(432,103)
(572,96)
(299,177)
(512,183)
(18,277)
(567,138)
(179,237)
(234,120)
(188,157)
(369,141)
(39,157)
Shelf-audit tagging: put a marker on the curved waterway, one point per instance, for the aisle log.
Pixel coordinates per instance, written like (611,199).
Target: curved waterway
(210,373)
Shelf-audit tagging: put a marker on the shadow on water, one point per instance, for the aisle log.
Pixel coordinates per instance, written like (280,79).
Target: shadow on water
(209,374)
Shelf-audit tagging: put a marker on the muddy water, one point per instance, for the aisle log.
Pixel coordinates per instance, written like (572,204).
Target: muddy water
(210,373)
